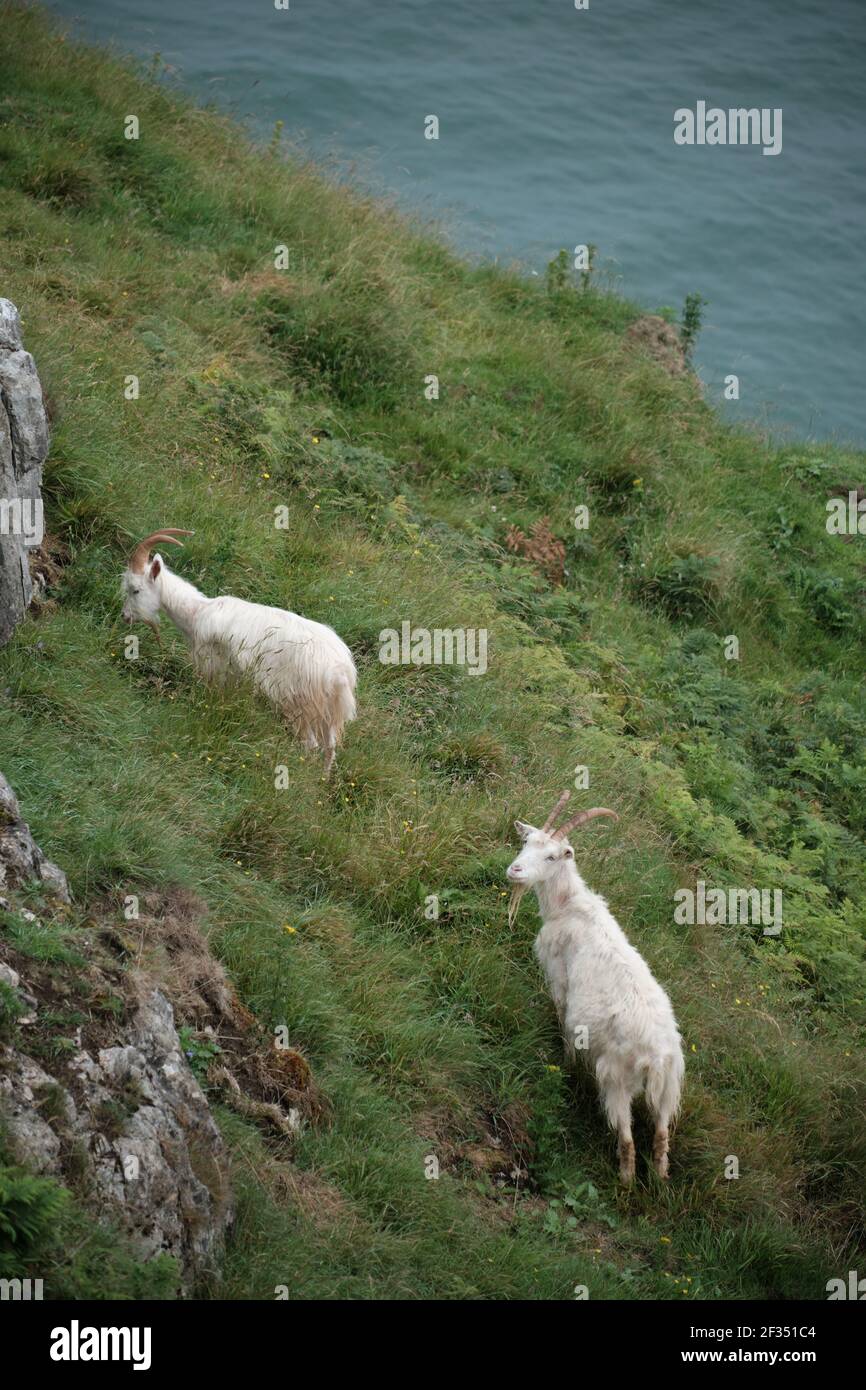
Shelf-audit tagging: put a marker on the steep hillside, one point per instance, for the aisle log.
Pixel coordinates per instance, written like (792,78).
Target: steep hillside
(307,388)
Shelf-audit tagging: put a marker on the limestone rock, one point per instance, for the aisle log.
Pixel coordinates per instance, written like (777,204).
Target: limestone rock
(147,1151)
(23,450)
(21,859)
(119,1115)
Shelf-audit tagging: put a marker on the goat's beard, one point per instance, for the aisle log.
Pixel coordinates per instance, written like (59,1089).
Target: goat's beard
(517,893)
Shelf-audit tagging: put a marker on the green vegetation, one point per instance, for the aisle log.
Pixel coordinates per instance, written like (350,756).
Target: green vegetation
(199,1052)
(45,1235)
(154,258)
(690,327)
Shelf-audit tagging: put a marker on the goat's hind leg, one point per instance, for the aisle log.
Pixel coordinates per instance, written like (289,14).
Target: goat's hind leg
(661,1139)
(306,735)
(329,747)
(661,1142)
(617,1103)
(662,1096)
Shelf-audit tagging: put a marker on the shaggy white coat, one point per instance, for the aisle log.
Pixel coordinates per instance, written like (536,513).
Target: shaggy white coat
(301,666)
(604,993)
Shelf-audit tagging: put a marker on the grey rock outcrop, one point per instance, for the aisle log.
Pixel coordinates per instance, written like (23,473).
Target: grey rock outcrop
(23,450)
(21,859)
(146,1149)
(114,1112)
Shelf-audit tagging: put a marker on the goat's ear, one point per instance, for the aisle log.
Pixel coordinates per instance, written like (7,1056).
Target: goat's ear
(523,830)
(156,566)
(568,852)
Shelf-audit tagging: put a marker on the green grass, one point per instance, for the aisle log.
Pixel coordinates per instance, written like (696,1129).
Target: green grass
(305,388)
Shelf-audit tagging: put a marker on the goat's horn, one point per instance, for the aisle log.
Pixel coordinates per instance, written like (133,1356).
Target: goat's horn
(582,820)
(141,554)
(556,810)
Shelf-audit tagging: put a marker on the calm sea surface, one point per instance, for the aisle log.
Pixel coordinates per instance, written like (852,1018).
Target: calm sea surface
(556,128)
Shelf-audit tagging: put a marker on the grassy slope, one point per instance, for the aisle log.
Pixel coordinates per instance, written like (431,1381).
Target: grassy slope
(155,258)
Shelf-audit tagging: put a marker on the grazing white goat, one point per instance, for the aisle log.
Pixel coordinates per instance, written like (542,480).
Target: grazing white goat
(608,1001)
(302,667)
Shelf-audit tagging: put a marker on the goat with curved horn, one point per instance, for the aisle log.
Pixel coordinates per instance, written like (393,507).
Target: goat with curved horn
(302,667)
(610,1007)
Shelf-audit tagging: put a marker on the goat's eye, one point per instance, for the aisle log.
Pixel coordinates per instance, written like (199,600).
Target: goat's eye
(551,856)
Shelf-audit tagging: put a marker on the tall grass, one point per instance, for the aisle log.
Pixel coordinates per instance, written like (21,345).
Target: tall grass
(305,388)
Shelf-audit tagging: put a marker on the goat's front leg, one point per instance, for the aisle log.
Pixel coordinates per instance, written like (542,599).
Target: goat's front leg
(212,663)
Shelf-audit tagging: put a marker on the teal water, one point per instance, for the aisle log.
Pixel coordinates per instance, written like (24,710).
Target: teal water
(556,128)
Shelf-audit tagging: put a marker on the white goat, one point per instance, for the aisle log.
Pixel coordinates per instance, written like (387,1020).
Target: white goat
(608,1002)
(302,667)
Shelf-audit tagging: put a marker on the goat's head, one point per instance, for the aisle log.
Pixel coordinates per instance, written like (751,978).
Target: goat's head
(139,584)
(545,850)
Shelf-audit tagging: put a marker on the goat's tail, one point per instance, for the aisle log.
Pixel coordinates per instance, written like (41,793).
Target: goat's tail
(343,698)
(318,711)
(333,709)
(664,1084)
